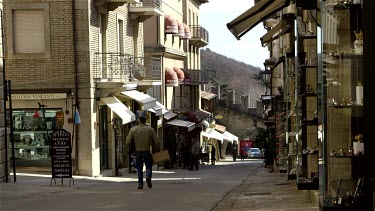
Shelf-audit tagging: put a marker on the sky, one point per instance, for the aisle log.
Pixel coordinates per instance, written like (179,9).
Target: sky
(214,17)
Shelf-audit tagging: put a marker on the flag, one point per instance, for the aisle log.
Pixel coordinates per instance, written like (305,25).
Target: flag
(38,114)
(77,118)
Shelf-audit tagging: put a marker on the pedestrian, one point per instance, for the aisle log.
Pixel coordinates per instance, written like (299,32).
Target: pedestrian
(194,155)
(201,155)
(185,155)
(144,137)
(213,155)
(234,150)
(242,156)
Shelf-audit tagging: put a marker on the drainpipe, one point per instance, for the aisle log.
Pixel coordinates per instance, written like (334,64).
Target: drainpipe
(76,127)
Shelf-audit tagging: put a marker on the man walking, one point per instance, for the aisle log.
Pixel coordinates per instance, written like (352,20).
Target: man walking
(194,155)
(144,137)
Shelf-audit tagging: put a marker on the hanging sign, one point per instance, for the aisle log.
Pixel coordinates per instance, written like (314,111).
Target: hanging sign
(60,118)
(61,154)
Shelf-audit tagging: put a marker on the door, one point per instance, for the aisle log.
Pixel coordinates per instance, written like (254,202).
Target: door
(103,137)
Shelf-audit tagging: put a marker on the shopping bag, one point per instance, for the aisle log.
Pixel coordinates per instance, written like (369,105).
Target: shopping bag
(160,156)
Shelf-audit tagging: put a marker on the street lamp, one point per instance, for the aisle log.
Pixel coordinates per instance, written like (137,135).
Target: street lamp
(266,77)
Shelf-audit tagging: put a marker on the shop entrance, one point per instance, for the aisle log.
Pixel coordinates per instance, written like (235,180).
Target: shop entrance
(103,137)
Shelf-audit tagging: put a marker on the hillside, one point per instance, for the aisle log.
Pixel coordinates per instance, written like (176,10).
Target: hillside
(232,74)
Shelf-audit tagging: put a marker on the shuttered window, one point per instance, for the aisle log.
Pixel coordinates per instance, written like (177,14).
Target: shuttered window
(28,31)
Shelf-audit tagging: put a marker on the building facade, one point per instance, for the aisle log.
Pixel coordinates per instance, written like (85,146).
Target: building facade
(91,68)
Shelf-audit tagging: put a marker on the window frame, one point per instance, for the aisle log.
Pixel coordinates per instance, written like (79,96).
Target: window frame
(10,38)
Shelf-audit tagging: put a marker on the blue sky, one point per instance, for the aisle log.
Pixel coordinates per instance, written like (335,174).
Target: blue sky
(215,15)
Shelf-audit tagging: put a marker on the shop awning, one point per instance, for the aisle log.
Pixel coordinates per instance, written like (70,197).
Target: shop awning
(230,136)
(145,100)
(171,78)
(180,123)
(283,27)
(170,25)
(169,115)
(159,109)
(119,108)
(256,14)
(207,95)
(212,133)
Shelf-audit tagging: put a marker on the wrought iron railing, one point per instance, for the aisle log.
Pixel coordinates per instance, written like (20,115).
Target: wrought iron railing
(196,76)
(124,67)
(198,32)
(148,3)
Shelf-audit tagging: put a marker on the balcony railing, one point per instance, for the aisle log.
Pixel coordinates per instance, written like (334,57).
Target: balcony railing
(196,76)
(199,36)
(148,4)
(117,67)
(146,9)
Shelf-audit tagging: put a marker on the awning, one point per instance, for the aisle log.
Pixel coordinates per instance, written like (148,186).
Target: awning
(181,29)
(230,136)
(169,115)
(170,25)
(171,78)
(256,14)
(212,133)
(207,95)
(180,74)
(119,108)
(180,123)
(145,100)
(187,35)
(277,31)
(159,109)
(220,128)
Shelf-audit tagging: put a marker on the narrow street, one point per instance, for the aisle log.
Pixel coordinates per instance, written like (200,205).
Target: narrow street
(241,185)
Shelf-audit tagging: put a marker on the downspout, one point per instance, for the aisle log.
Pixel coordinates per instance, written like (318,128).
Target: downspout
(76,127)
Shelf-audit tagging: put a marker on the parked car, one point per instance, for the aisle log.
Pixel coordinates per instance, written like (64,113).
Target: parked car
(254,153)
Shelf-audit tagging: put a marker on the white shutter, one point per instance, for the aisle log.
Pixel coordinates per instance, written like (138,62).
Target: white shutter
(28,31)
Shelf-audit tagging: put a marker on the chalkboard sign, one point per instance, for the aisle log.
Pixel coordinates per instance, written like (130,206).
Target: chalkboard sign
(61,154)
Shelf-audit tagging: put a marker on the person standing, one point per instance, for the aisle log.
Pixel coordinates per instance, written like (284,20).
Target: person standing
(194,155)
(234,150)
(144,137)
(213,155)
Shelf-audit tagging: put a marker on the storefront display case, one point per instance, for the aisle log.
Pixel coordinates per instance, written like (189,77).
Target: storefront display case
(31,135)
(306,100)
(343,182)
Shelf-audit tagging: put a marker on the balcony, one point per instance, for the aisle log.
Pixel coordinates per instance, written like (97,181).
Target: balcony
(113,4)
(196,77)
(145,9)
(203,1)
(113,69)
(199,36)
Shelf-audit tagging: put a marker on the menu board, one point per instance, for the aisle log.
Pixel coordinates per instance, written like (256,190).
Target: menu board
(61,154)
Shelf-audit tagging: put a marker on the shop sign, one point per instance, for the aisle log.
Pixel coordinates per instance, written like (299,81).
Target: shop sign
(61,154)
(60,118)
(45,96)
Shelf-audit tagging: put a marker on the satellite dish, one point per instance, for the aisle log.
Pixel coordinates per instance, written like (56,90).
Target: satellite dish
(218,117)
(212,126)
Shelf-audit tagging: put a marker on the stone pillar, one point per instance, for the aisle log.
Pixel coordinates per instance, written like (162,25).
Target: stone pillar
(216,90)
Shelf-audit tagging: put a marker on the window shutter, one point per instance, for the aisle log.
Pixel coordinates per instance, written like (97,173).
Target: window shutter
(28,31)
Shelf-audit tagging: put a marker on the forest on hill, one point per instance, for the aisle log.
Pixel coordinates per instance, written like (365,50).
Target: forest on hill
(231,74)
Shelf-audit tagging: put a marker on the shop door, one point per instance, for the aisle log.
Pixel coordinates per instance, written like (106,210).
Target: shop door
(103,137)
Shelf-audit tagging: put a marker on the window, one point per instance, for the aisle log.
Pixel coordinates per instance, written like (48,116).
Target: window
(120,36)
(28,31)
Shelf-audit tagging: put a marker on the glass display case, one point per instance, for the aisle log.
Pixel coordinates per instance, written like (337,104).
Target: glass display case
(342,105)
(305,136)
(31,135)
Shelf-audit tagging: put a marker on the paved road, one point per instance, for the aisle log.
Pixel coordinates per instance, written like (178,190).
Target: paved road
(220,187)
